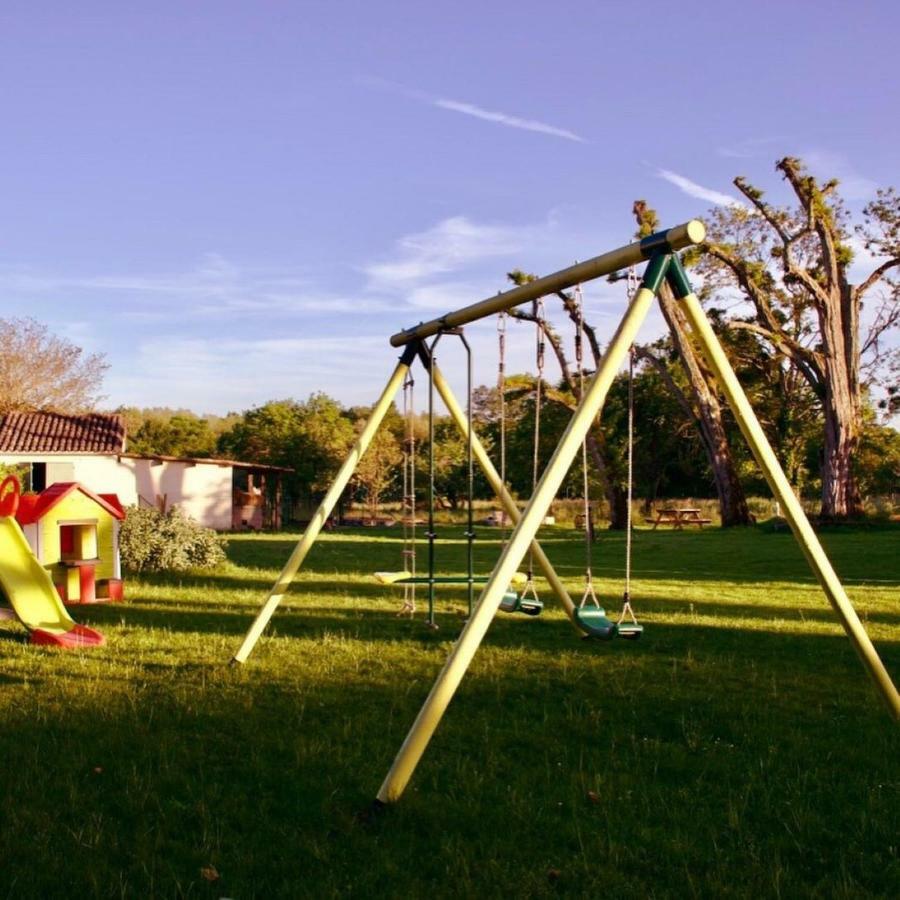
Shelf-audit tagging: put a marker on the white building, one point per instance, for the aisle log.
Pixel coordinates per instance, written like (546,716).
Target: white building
(91,449)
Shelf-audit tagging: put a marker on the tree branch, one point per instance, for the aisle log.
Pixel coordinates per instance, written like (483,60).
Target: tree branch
(555,343)
(804,188)
(887,317)
(664,373)
(571,307)
(876,275)
(806,360)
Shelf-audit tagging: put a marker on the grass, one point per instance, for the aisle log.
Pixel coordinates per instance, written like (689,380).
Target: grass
(737,749)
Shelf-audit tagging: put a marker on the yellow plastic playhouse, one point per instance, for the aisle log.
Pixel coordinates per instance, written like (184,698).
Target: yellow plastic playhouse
(74,533)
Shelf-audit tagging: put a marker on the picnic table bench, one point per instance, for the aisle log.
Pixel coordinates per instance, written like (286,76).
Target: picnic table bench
(679,516)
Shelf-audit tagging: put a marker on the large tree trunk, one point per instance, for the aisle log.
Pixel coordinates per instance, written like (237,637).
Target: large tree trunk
(839,321)
(841,408)
(616,495)
(840,494)
(707,412)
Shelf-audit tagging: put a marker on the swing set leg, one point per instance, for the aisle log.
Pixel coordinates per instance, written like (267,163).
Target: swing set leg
(292,566)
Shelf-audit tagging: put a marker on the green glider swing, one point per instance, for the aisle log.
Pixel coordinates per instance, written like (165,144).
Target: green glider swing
(407,577)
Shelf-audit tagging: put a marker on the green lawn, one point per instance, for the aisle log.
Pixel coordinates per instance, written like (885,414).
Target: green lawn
(737,749)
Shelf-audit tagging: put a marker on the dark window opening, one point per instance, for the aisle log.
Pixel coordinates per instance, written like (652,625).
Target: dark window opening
(38,477)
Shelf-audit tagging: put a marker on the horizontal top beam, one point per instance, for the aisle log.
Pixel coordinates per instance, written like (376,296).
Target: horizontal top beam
(676,238)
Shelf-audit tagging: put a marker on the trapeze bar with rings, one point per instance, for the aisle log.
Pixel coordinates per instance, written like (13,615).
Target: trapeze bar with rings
(676,238)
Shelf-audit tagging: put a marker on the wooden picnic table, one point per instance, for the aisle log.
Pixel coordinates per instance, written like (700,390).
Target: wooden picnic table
(679,516)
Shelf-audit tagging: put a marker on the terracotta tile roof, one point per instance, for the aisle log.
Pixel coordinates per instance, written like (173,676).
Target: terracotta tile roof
(44,432)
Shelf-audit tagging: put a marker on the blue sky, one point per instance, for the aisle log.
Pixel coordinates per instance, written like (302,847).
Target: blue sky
(240,201)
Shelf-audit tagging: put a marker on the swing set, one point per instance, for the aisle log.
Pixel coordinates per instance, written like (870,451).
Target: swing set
(659,251)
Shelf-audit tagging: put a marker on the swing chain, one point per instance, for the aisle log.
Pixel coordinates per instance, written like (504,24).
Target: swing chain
(501,390)
(632,283)
(540,350)
(539,320)
(579,334)
(626,595)
(589,592)
(630,491)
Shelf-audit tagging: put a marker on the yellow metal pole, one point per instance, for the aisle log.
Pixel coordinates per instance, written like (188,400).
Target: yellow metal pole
(506,499)
(781,488)
(676,238)
(523,534)
(325,509)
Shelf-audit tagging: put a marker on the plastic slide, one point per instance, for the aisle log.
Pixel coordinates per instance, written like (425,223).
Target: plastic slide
(29,588)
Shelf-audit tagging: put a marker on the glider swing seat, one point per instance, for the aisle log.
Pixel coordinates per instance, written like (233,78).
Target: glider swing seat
(659,251)
(407,578)
(511,599)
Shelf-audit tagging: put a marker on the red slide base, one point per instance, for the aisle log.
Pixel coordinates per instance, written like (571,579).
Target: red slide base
(79,636)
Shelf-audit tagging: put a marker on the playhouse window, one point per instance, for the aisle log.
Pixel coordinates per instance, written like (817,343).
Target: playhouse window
(78,540)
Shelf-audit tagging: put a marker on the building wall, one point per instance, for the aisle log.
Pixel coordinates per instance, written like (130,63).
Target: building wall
(202,491)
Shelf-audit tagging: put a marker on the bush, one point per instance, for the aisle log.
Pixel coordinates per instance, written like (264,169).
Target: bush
(154,541)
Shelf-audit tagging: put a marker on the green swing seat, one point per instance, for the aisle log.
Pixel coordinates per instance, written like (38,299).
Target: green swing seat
(513,603)
(531,606)
(631,631)
(592,620)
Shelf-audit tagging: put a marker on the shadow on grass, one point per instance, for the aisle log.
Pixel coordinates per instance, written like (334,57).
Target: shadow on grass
(742,556)
(536,635)
(814,606)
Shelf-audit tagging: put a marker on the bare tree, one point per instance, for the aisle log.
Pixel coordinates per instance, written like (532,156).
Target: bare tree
(40,371)
(792,266)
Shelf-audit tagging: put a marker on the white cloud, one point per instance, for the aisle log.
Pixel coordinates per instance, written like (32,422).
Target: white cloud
(500,118)
(444,295)
(219,374)
(214,287)
(451,245)
(470,109)
(692,189)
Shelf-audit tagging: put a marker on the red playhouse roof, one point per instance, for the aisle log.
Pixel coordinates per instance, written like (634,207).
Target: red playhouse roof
(33,507)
